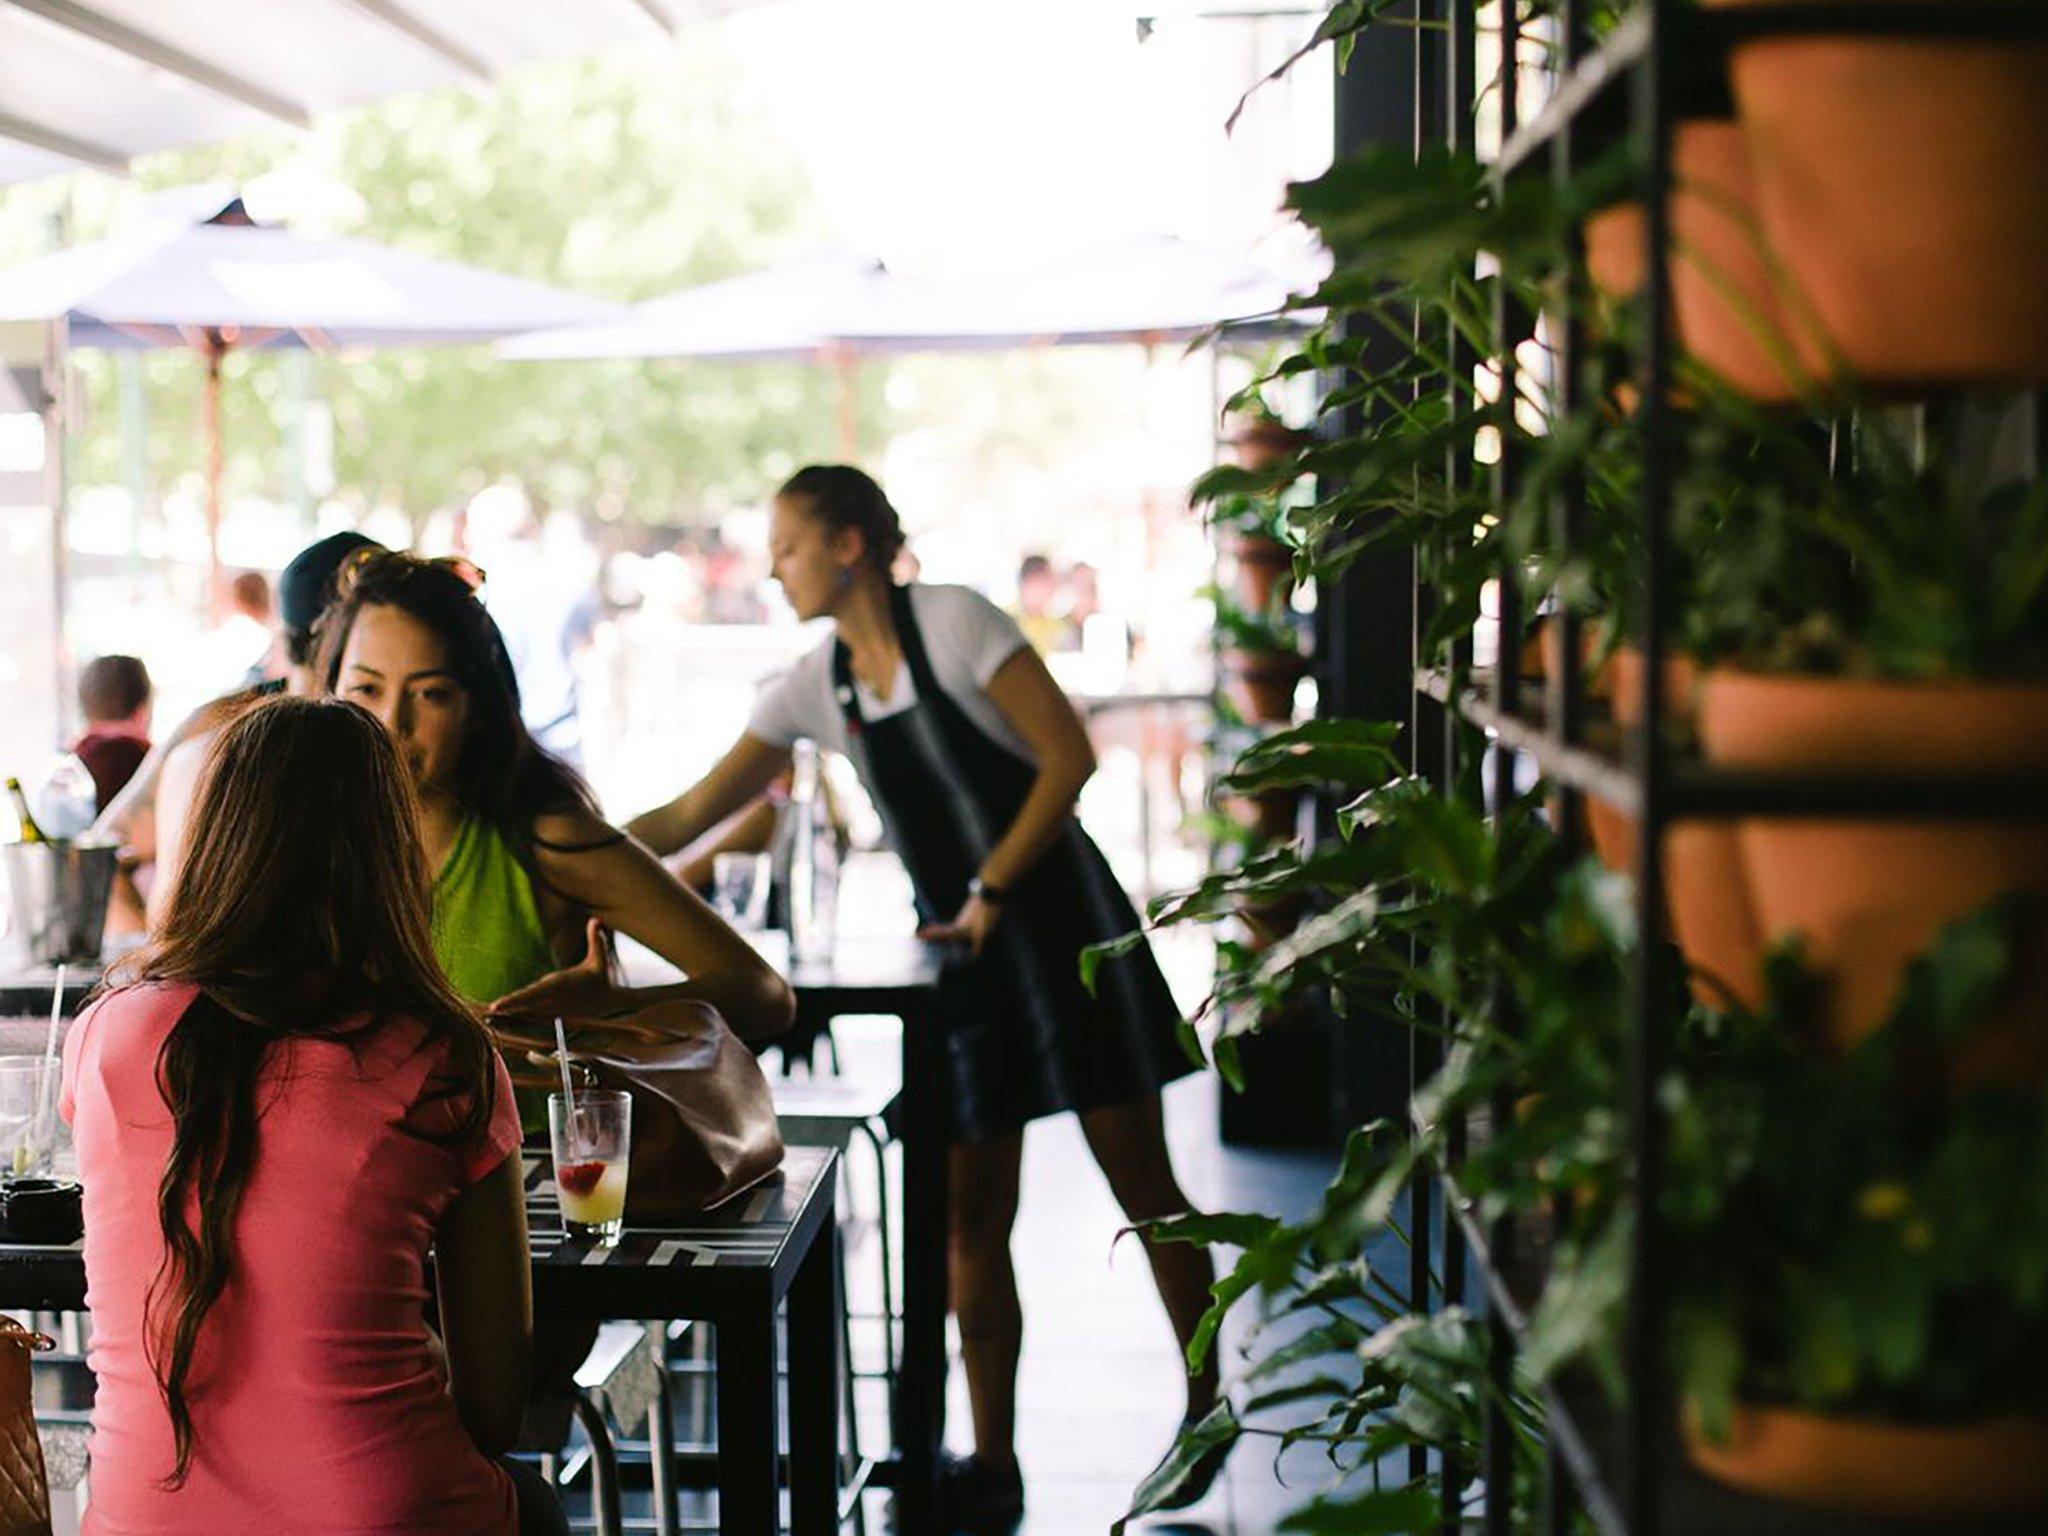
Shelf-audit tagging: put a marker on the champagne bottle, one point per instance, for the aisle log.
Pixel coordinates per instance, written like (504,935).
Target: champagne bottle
(30,832)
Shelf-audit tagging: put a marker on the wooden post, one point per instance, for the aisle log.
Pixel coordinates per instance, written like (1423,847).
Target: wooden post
(215,349)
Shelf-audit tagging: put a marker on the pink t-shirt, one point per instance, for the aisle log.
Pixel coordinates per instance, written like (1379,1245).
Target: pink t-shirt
(315,1403)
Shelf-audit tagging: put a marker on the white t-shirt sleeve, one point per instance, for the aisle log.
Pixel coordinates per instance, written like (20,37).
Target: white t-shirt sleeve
(964,629)
(796,704)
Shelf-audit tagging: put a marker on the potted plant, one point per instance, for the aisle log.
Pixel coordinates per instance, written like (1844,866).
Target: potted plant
(1258,438)
(1262,660)
(1888,616)
(1254,536)
(1861,1248)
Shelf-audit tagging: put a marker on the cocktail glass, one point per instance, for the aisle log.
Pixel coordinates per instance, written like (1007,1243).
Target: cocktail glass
(592,1141)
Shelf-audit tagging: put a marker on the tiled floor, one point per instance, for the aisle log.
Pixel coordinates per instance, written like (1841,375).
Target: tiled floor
(1101,1387)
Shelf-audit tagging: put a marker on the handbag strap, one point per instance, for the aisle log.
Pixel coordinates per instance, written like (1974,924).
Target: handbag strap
(513,1046)
(13,1333)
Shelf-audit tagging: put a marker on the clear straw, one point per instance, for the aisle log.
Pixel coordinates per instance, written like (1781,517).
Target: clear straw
(568,1083)
(45,1099)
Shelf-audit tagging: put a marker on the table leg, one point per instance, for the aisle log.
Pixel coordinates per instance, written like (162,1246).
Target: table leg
(921,1373)
(814,1366)
(749,1477)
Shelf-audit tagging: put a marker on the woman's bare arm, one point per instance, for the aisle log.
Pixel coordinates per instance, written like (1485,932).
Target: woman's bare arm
(1024,691)
(743,773)
(485,1284)
(615,880)
(1032,703)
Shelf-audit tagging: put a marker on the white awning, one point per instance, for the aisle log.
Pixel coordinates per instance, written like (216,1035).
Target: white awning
(96,82)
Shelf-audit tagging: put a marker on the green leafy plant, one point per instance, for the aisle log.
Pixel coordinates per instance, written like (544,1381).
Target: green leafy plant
(1258,634)
(1884,562)
(1869,1235)
(1338,1358)
(1256,517)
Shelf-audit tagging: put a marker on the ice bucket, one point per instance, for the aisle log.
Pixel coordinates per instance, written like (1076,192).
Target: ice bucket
(58,895)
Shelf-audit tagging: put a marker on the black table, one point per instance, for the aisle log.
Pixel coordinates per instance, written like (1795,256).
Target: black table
(732,1269)
(900,978)
(25,990)
(897,977)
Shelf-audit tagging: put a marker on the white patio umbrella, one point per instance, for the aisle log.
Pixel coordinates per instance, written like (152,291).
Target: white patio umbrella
(796,310)
(1147,290)
(198,272)
(836,306)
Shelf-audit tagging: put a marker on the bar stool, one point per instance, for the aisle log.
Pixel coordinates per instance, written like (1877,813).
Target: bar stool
(622,1383)
(834,1112)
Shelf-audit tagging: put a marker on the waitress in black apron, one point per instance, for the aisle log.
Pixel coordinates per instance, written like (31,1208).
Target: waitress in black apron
(975,759)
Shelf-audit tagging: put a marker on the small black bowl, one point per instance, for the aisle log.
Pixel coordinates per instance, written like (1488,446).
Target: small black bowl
(41,1211)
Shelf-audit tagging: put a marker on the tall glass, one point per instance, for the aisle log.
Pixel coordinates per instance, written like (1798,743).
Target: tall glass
(591,1148)
(28,1116)
(739,888)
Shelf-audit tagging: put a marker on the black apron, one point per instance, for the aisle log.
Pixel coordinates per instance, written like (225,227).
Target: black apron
(1025,1039)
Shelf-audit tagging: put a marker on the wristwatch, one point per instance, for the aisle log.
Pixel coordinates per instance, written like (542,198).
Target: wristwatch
(994,895)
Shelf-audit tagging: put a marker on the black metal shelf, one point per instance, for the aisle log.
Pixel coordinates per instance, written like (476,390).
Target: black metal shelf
(1701,791)
(1619,1462)
(1593,87)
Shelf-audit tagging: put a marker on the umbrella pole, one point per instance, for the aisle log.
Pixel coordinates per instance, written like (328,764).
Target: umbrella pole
(216,593)
(844,368)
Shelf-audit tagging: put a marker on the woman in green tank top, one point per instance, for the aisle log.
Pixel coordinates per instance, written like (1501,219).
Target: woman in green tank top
(529,874)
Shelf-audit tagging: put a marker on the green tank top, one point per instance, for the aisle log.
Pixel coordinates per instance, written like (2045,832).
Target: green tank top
(487,930)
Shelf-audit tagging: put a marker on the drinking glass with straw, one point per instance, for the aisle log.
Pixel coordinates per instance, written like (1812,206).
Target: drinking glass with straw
(591,1135)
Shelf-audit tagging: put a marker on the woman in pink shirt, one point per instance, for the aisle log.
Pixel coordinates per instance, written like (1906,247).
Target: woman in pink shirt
(278,1111)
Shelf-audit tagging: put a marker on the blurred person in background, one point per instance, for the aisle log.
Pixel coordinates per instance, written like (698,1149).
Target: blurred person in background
(148,816)
(116,699)
(976,759)
(114,696)
(1038,596)
(287,1062)
(527,874)
(240,651)
(543,592)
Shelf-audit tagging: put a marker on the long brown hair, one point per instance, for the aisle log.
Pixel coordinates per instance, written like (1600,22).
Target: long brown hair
(300,912)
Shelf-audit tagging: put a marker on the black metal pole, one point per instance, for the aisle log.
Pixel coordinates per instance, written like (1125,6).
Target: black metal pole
(1646,1431)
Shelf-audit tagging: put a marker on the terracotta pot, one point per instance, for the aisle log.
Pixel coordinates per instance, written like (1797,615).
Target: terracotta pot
(1616,251)
(1870,895)
(1272,813)
(1543,656)
(1260,684)
(1997,1467)
(1259,443)
(1723,299)
(1265,569)
(1723,296)
(1898,183)
(1267,923)
(1705,896)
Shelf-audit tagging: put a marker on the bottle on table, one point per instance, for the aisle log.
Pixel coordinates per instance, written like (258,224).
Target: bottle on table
(30,831)
(806,861)
(67,802)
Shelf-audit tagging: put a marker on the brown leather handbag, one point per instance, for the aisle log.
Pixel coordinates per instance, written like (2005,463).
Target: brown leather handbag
(704,1127)
(24,1486)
